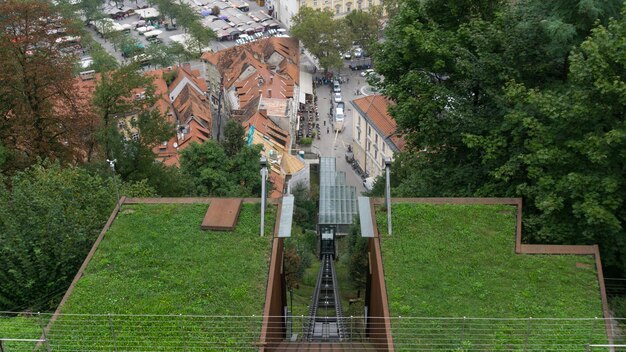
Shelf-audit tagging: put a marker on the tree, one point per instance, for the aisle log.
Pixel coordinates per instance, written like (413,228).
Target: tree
(322,35)
(305,210)
(48,221)
(234,139)
(565,147)
(178,52)
(215,174)
(364,26)
(160,55)
(497,104)
(42,113)
(200,36)
(131,126)
(115,96)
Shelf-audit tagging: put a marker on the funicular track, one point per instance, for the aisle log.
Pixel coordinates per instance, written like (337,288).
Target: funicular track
(326,317)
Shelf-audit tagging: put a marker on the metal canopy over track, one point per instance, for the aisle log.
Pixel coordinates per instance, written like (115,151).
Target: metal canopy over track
(338,205)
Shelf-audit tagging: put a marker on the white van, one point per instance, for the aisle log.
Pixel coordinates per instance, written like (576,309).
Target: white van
(339,119)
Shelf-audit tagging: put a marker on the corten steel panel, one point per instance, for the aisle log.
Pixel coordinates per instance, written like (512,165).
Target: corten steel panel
(222,214)
(273,329)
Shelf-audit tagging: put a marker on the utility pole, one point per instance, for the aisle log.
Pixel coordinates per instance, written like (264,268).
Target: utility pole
(388,192)
(117,191)
(263,163)
(219,108)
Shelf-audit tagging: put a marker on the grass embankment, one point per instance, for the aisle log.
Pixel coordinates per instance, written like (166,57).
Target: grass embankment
(459,260)
(21,327)
(156,260)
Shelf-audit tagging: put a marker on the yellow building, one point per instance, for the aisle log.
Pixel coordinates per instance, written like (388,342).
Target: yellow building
(340,7)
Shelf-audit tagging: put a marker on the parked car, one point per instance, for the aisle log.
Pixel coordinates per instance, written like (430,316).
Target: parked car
(336,87)
(358,53)
(367,72)
(337,98)
(347,55)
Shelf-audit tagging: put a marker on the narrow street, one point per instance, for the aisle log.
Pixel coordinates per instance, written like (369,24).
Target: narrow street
(335,144)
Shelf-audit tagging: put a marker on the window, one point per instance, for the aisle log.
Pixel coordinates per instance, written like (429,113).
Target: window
(369,3)
(358,135)
(136,136)
(315,3)
(375,153)
(376,139)
(369,129)
(348,6)
(337,9)
(359,3)
(384,147)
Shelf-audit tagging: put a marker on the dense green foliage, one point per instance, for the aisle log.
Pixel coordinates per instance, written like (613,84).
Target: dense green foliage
(48,222)
(358,256)
(322,35)
(459,260)
(213,173)
(364,26)
(519,99)
(306,205)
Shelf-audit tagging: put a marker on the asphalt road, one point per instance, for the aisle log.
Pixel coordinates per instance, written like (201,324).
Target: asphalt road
(335,144)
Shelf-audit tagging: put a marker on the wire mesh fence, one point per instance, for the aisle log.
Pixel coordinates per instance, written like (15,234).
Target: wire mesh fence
(117,332)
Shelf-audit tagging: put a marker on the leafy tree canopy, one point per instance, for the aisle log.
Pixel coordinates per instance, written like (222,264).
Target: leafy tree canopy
(322,35)
(498,104)
(215,174)
(48,222)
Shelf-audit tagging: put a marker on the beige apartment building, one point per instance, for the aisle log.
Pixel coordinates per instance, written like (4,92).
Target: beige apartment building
(340,7)
(374,134)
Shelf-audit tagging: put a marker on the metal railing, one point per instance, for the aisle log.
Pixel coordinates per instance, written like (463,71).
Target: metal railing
(119,332)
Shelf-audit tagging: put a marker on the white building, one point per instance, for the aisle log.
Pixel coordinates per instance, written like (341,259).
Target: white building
(285,9)
(374,134)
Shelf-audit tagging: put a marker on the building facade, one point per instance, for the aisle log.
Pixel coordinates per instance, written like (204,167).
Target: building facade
(374,134)
(284,10)
(340,7)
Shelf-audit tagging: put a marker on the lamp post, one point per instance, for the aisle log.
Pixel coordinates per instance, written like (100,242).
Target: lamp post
(117,191)
(388,192)
(263,163)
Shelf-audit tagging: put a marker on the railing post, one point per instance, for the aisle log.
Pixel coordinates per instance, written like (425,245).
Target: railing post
(462,332)
(43,332)
(112,331)
(182,331)
(527,333)
(351,327)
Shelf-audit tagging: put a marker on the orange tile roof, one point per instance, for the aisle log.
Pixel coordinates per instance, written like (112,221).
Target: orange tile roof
(248,70)
(374,109)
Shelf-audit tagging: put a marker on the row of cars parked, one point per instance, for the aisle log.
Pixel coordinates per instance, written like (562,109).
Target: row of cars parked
(248,38)
(356,52)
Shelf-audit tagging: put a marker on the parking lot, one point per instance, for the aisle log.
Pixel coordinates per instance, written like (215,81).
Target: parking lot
(231,15)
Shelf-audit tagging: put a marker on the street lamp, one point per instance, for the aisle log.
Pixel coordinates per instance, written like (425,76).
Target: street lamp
(263,163)
(388,192)
(117,191)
